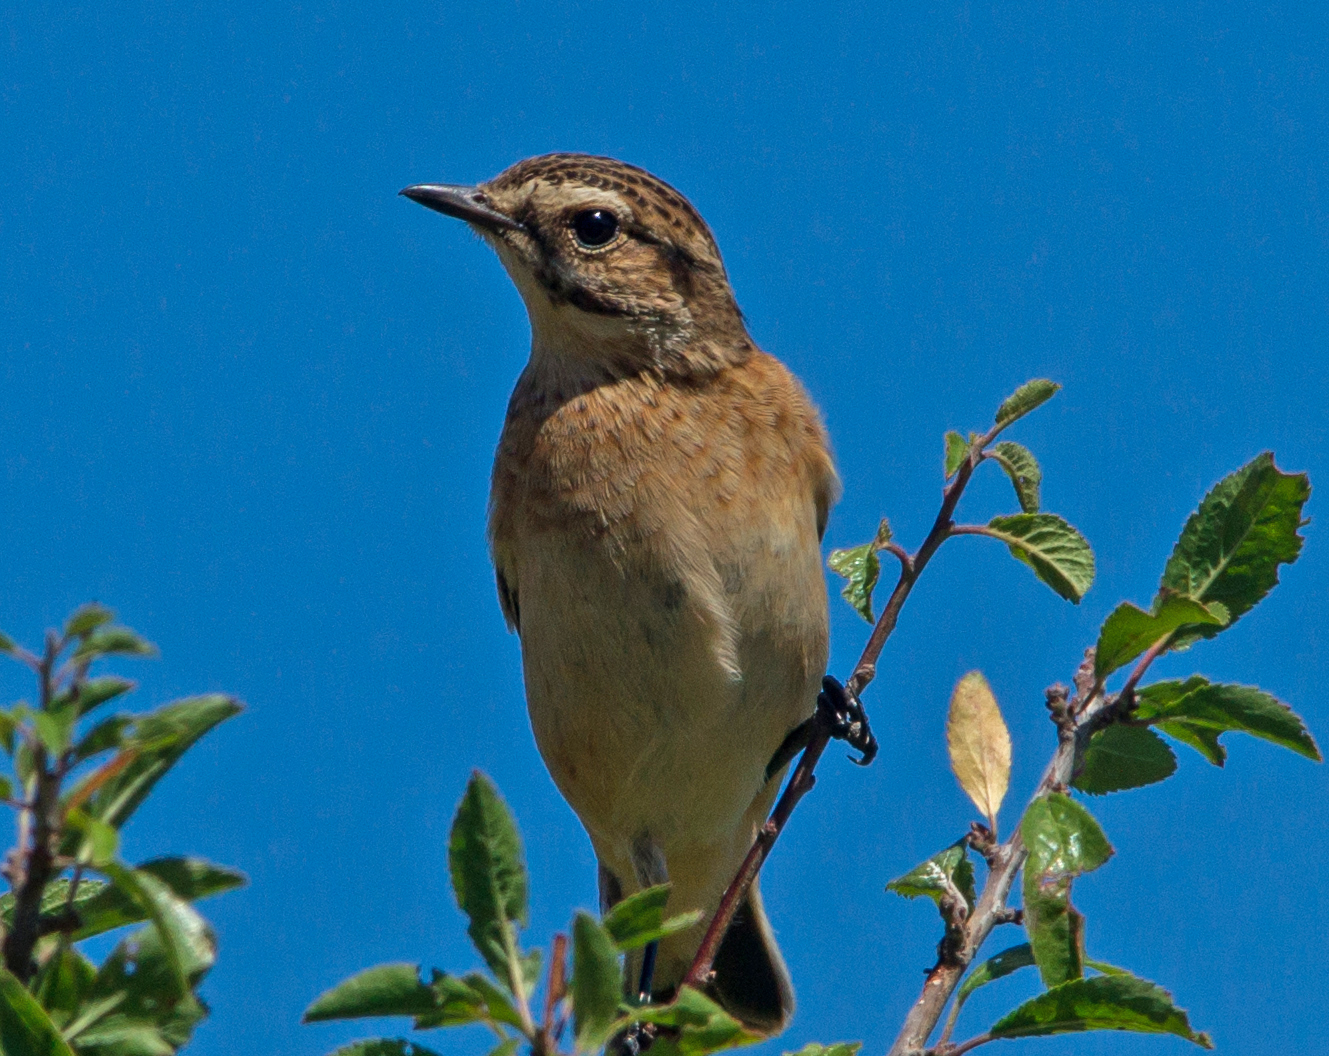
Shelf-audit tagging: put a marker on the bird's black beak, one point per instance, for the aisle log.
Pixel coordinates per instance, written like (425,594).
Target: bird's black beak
(465,203)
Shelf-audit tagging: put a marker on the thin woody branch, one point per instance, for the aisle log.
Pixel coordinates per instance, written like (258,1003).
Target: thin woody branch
(1076,722)
(32,862)
(911,567)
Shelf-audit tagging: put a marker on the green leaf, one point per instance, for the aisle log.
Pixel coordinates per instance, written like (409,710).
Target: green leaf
(385,990)
(936,877)
(6,788)
(7,644)
(158,741)
(94,692)
(1059,555)
(957,450)
(994,968)
(103,907)
(1028,396)
(134,1006)
(97,842)
(1062,837)
(62,983)
(105,641)
(496,1001)
(1129,631)
(703,1025)
(187,942)
(1201,738)
(1231,547)
(840,1048)
(639,919)
(54,729)
(1104,1002)
(861,567)
(25,1028)
(488,875)
(86,619)
(456,1003)
(105,736)
(1218,707)
(506,1048)
(384,1047)
(1064,841)
(1023,469)
(597,982)
(1121,757)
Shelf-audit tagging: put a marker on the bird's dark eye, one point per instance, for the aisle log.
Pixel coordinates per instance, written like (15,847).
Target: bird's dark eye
(595,227)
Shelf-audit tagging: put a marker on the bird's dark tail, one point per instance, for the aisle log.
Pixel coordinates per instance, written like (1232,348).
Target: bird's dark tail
(751,981)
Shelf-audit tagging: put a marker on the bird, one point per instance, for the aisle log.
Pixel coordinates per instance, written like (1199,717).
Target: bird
(658,499)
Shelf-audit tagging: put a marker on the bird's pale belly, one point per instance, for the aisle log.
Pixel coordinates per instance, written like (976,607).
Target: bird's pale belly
(654,707)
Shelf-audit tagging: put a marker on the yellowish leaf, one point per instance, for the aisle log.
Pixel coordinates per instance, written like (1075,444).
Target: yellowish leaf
(980,744)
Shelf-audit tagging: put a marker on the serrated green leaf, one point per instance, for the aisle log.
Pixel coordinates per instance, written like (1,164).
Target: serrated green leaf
(839,1048)
(488,874)
(25,1028)
(934,878)
(861,567)
(130,1008)
(87,618)
(1231,547)
(104,907)
(1129,631)
(93,692)
(1120,757)
(1062,837)
(1064,841)
(384,1047)
(158,741)
(703,1026)
(994,968)
(597,982)
(1201,738)
(385,990)
(187,942)
(639,919)
(1219,707)
(1103,1002)
(497,1002)
(1028,396)
(1023,469)
(106,641)
(1059,555)
(456,1003)
(957,450)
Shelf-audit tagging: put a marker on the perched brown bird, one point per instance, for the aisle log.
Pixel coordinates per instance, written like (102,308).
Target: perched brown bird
(659,496)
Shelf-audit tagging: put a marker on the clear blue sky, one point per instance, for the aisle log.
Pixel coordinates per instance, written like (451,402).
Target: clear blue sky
(248,397)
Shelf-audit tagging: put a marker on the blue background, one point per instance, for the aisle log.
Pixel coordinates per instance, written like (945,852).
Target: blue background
(248,397)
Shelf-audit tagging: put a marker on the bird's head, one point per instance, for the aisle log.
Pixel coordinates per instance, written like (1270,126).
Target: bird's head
(618,271)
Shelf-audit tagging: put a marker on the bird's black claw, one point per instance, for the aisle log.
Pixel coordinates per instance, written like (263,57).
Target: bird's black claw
(840,710)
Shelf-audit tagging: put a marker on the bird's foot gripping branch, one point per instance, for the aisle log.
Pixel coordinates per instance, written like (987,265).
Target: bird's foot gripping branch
(78,776)
(1107,740)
